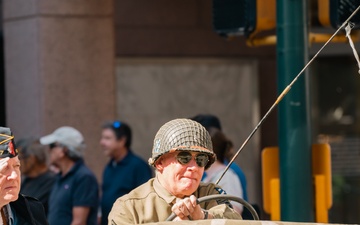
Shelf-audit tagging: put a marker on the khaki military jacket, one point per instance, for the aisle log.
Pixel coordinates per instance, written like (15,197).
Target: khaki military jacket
(150,203)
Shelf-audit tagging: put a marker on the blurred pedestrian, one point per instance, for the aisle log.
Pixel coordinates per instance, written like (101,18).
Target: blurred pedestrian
(229,182)
(37,179)
(75,195)
(209,121)
(124,171)
(15,208)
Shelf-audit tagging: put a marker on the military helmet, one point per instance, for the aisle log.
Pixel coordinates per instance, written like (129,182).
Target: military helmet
(182,135)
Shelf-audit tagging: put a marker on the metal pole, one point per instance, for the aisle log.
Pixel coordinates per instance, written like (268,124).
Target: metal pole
(296,191)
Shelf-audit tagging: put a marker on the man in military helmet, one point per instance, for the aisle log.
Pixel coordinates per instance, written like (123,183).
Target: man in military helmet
(181,152)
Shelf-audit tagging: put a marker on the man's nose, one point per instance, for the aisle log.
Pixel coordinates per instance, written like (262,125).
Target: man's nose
(193,163)
(13,175)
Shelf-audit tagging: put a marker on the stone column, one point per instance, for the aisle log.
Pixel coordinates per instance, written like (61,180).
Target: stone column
(59,65)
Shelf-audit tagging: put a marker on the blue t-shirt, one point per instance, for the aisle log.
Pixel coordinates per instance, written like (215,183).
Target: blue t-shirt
(119,178)
(241,176)
(78,187)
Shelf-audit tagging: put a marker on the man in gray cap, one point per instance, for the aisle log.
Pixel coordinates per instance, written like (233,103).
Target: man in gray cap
(75,195)
(181,152)
(14,207)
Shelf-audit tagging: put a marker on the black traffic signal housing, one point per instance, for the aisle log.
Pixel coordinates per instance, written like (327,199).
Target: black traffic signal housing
(335,12)
(243,17)
(234,17)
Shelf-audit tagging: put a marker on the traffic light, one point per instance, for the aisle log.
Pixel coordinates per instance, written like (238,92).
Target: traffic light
(321,171)
(335,12)
(234,17)
(243,17)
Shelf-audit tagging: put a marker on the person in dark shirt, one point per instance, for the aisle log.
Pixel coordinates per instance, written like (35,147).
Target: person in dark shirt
(75,195)
(125,170)
(37,179)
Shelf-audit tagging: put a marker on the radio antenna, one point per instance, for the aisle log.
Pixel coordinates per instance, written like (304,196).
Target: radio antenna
(284,92)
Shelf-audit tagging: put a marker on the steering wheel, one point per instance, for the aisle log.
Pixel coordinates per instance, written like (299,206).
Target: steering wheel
(222,196)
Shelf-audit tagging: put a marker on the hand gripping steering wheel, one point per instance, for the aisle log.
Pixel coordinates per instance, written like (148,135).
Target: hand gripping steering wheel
(222,196)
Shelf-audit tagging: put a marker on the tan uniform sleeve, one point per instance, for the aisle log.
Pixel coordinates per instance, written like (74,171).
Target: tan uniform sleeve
(119,214)
(220,209)
(224,212)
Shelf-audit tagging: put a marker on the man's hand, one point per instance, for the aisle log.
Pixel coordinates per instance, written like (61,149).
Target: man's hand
(4,165)
(187,208)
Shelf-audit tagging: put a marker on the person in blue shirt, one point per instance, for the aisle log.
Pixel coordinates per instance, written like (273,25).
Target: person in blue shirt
(236,169)
(125,170)
(208,121)
(74,198)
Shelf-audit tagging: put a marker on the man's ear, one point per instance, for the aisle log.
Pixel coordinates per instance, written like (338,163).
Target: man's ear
(64,151)
(122,141)
(159,165)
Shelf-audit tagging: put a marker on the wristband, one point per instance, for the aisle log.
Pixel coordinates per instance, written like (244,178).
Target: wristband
(206,214)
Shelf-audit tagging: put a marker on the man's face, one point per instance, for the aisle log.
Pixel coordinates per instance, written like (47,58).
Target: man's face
(10,180)
(109,143)
(180,180)
(27,163)
(56,153)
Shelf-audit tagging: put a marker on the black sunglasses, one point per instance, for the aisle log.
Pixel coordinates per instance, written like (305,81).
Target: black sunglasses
(184,158)
(53,145)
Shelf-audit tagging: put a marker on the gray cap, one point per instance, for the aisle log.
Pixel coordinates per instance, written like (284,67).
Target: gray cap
(67,136)
(182,135)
